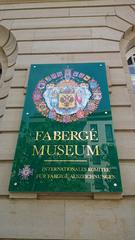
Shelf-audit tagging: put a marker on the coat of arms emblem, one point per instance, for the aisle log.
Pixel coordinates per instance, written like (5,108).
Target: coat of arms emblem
(67,96)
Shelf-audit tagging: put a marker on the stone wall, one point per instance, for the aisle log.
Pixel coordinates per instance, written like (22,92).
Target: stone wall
(62,32)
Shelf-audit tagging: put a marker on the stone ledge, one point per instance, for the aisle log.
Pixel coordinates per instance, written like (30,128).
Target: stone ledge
(23,195)
(107,196)
(67,196)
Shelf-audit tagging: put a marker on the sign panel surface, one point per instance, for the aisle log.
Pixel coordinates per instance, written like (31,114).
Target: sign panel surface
(66,141)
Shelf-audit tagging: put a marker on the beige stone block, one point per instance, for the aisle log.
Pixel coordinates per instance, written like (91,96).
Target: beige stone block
(117,23)
(5,171)
(99,220)
(19,78)
(111,59)
(27,34)
(32,219)
(55,22)
(117,76)
(125,142)
(123,118)
(11,120)
(68,46)
(119,96)
(7,145)
(72,33)
(24,47)
(35,13)
(94,11)
(127,13)
(128,177)
(15,98)
(106,33)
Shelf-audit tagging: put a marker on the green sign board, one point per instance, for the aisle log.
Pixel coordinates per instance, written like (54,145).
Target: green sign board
(66,140)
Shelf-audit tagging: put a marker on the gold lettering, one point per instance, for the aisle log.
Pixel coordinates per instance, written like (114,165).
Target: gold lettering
(57,135)
(74,135)
(65,135)
(46,136)
(93,135)
(49,150)
(38,135)
(83,135)
(38,151)
(77,152)
(90,151)
(60,149)
(69,150)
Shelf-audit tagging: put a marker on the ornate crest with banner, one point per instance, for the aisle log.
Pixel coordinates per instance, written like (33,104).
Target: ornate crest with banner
(66,140)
